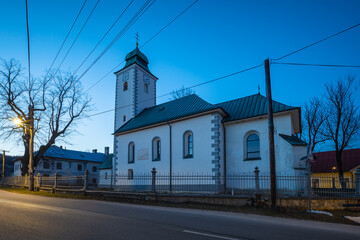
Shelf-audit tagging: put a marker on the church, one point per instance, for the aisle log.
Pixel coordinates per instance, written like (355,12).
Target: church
(190,135)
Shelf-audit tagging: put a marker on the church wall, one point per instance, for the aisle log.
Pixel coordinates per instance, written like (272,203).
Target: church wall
(236,134)
(200,163)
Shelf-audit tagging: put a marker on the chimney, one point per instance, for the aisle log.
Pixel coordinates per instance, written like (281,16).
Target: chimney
(61,147)
(107,151)
(94,151)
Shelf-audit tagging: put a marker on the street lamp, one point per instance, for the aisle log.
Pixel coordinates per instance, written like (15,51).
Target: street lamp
(30,126)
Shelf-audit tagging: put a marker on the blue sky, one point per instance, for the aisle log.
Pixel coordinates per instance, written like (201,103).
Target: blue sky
(212,39)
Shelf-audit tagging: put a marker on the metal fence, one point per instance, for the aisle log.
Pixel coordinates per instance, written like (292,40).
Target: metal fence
(245,184)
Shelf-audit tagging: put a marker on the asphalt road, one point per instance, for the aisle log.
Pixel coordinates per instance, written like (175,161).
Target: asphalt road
(35,217)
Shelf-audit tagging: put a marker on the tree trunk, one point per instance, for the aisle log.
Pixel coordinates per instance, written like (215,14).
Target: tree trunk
(25,158)
(340,169)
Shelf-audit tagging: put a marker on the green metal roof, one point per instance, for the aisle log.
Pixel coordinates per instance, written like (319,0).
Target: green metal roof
(293,140)
(107,163)
(250,106)
(242,108)
(137,57)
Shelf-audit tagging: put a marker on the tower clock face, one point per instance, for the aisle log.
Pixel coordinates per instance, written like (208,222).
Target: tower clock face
(126,77)
(146,79)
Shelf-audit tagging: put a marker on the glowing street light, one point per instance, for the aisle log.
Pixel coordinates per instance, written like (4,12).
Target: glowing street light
(17,121)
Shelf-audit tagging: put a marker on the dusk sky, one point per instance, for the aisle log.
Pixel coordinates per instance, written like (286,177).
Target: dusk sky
(211,40)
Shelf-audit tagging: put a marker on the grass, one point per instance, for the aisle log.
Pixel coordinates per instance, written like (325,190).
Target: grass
(338,215)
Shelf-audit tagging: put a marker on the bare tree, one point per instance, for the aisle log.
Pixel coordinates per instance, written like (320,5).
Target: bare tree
(314,118)
(56,103)
(182,92)
(342,124)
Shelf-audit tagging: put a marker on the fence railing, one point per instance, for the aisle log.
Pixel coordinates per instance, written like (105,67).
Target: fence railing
(246,184)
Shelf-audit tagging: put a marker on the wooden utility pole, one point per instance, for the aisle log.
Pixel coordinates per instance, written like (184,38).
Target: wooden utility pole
(271,134)
(3,168)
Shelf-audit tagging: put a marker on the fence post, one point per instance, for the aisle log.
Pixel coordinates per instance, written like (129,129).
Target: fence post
(357,182)
(257,184)
(153,180)
(86,176)
(39,180)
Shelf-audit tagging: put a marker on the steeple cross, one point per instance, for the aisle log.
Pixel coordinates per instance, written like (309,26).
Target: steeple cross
(137,39)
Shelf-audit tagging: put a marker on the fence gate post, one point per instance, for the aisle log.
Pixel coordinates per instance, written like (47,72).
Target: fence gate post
(55,181)
(357,182)
(86,176)
(257,184)
(153,180)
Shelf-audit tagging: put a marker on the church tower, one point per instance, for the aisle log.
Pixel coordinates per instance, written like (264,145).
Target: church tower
(135,88)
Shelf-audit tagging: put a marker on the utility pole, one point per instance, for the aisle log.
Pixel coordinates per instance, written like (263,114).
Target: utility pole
(271,133)
(3,168)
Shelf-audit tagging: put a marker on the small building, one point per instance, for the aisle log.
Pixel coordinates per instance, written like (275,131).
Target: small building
(324,171)
(67,163)
(105,173)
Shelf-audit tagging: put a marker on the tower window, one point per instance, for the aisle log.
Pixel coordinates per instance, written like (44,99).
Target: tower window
(124,118)
(146,88)
(125,87)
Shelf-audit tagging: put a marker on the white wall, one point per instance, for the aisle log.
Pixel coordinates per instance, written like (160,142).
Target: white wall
(201,162)
(235,143)
(105,182)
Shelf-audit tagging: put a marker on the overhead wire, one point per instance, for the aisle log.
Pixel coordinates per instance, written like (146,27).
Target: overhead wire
(103,37)
(317,42)
(150,39)
(168,94)
(138,14)
(317,65)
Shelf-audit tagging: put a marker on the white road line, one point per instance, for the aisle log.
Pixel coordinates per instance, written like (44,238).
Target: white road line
(29,205)
(211,235)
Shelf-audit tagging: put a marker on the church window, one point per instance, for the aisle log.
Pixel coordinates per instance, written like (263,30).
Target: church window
(156,149)
(253,147)
(124,118)
(188,144)
(125,87)
(131,153)
(146,88)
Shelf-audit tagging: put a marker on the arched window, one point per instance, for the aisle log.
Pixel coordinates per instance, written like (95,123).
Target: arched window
(253,147)
(125,86)
(156,149)
(146,88)
(131,153)
(188,144)
(124,118)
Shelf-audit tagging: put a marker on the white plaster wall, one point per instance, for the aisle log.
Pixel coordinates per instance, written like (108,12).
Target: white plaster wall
(17,170)
(200,163)
(145,100)
(235,137)
(102,181)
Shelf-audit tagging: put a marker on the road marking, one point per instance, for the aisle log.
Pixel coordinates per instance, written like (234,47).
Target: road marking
(211,235)
(30,205)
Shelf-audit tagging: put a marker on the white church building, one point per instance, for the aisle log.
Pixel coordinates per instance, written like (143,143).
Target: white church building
(189,135)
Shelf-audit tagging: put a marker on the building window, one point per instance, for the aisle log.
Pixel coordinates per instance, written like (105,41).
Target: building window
(79,167)
(146,88)
(106,176)
(188,144)
(131,153)
(59,165)
(94,169)
(156,149)
(124,118)
(125,87)
(46,165)
(130,174)
(94,180)
(253,147)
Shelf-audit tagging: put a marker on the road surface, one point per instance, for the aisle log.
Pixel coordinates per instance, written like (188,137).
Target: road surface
(30,217)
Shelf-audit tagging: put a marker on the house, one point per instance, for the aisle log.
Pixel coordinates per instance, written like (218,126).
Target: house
(190,135)
(105,172)
(324,171)
(66,162)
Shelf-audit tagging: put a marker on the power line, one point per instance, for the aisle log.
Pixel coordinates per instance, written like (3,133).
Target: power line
(193,86)
(151,38)
(138,14)
(104,36)
(83,26)
(28,37)
(322,40)
(319,65)
(63,43)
